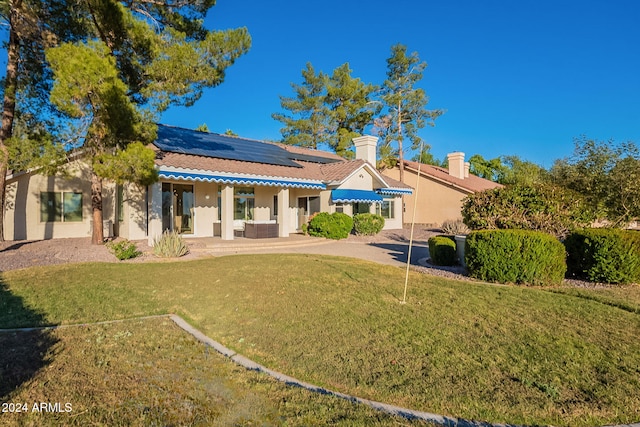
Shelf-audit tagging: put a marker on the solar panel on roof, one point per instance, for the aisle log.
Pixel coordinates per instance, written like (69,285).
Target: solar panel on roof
(186,141)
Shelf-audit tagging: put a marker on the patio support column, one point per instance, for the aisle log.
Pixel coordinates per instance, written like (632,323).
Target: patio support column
(226,210)
(155,212)
(283,212)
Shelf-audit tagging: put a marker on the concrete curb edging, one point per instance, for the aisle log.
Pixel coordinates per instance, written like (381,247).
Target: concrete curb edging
(409,414)
(390,409)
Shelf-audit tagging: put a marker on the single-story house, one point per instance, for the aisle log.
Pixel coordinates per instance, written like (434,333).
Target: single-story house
(439,191)
(210,185)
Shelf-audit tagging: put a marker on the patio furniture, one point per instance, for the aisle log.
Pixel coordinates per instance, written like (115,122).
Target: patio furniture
(260,229)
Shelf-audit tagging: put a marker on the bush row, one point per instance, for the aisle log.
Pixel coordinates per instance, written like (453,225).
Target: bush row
(604,255)
(338,225)
(532,257)
(515,256)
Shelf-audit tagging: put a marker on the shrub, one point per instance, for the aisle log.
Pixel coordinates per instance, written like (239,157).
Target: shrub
(454,227)
(170,245)
(124,249)
(335,226)
(547,208)
(515,256)
(442,250)
(604,255)
(367,224)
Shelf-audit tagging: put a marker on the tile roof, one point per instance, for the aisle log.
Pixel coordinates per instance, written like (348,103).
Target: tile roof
(471,184)
(302,163)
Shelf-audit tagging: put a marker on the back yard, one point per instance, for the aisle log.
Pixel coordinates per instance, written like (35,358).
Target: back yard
(563,356)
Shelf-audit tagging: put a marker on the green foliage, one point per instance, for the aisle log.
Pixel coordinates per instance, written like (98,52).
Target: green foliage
(546,208)
(170,245)
(136,163)
(335,226)
(404,111)
(124,249)
(442,250)
(515,256)
(203,128)
(367,224)
(604,255)
(331,109)
(426,157)
(606,174)
(307,122)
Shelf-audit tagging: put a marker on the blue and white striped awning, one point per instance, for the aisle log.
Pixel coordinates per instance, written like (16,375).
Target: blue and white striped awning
(394,191)
(355,196)
(240,180)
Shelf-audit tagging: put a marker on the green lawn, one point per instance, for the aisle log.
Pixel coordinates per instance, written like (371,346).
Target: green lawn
(477,351)
(142,373)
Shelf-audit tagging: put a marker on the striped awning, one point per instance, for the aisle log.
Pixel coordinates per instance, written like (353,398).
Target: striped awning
(394,191)
(355,196)
(240,180)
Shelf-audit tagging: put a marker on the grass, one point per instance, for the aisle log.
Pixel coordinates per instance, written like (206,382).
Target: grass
(495,353)
(141,373)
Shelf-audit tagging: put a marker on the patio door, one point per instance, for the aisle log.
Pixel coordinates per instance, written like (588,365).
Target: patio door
(177,208)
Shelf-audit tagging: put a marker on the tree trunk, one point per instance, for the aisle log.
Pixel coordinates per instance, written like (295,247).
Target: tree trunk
(9,106)
(400,149)
(97,236)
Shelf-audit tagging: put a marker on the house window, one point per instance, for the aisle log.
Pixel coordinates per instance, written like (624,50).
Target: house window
(386,209)
(359,208)
(56,206)
(340,207)
(275,205)
(243,203)
(310,205)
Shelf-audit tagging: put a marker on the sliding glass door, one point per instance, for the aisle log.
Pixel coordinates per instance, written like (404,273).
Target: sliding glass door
(178,207)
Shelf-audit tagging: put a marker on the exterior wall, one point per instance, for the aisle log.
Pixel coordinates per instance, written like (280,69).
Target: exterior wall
(437,201)
(134,213)
(396,222)
(22,207)
(361,180)
(205,212)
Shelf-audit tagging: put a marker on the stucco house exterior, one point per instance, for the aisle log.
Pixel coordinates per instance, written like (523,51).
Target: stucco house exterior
(439,191)
(210,185)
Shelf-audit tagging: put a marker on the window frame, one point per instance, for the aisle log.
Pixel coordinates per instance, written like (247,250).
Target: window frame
(63,206)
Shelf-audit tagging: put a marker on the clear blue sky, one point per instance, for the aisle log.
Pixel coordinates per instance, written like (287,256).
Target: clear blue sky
(515,77)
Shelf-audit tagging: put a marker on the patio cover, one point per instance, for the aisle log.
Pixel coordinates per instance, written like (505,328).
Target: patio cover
(394,191)
(355,196)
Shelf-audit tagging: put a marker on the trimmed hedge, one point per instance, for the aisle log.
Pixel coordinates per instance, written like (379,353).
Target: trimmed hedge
(442,250)
(515,256)
(335,226)
(367,224)
(604,255)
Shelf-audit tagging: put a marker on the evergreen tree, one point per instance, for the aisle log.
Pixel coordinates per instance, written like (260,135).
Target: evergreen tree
(404,104)
(350,109)
(141,57)
(307,123)
(329,110)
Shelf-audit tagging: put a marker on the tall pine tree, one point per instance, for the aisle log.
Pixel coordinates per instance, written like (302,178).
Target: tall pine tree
(405,104)
(135,59)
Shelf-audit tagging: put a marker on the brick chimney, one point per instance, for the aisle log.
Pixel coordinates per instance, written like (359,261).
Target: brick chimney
(366,146)
(456,164)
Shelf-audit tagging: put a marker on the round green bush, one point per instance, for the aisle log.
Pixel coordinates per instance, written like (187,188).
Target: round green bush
(367,224)
(604,255)
(331,226)
(442,250)
(515,256)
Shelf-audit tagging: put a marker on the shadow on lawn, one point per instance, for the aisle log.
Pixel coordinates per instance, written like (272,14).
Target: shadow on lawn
(23,353)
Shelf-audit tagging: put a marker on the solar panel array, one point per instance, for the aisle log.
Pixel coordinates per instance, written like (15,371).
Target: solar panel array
(186,141)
